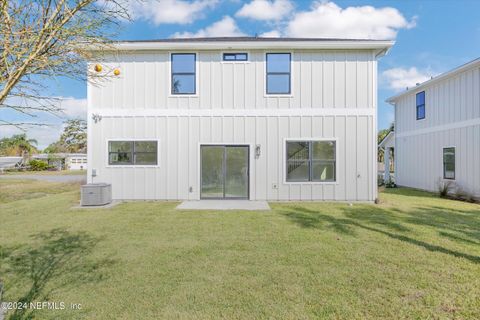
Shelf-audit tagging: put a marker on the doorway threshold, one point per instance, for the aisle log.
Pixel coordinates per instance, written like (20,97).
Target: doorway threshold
(223,205)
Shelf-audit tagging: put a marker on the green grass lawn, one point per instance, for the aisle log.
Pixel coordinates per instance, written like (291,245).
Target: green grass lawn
(412,256)
(51,173)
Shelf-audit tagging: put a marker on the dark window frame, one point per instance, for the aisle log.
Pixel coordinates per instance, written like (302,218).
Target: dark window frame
(289,73)
(311,161)
(133,153)
(445,163)
(235,55)
(173,74)
(421,105)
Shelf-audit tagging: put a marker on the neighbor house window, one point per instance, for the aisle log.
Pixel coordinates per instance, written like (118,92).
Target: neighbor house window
(420,98)
(132,152)
(449,163)
(235,57)
(311,161)
(278,73)
(183,73)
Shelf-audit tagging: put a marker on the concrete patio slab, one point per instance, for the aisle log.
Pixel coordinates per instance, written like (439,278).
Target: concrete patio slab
(223,205)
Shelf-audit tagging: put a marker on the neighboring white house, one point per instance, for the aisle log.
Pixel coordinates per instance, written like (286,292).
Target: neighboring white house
(64,161)
(76,161)
(251,118)
(387,144)
(437,128)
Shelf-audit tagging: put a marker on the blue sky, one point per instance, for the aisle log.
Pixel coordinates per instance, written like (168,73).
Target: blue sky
(431,37)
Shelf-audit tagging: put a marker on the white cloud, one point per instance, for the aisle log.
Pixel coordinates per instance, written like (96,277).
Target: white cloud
(271,34)
(170,11)
(222,28)
(74,108)
(265,10)
(399,79)
(328,20)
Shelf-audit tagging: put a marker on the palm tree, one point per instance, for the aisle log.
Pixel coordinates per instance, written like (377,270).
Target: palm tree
(18,145)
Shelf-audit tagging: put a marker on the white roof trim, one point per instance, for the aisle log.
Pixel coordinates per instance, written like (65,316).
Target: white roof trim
(386,139)
(451,73)
(381,46)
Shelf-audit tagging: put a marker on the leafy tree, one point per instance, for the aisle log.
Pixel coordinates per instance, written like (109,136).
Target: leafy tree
(18,145)
(73,138)
(42,39)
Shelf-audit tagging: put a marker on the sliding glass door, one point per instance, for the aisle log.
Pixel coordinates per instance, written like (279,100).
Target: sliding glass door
(224,172)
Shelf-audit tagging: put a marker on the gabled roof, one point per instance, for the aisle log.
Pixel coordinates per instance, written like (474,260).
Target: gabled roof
(422,86)
(386,139)
(244,43)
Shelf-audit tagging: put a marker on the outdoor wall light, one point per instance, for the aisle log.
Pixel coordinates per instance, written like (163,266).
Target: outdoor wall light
(116,72)
(98,67)
(96,117)
(257,151)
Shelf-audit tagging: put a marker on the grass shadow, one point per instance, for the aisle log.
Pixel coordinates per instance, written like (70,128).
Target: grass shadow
(57,259)
(391,223)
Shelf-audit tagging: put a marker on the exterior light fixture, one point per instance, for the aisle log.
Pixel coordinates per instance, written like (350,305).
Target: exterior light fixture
(96,117)
(98,67)
(257,151)
(116,72)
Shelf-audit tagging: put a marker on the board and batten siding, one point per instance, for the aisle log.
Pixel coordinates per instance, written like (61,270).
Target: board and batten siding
(334,95)
(320,79)
(180,137)
(452,119)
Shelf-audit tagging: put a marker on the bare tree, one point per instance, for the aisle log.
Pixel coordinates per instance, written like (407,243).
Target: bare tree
(41,39)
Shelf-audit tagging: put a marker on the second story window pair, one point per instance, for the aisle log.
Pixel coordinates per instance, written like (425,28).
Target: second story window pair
(278,72)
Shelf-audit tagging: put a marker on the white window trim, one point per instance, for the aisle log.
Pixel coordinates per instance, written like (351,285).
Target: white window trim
(107,165)
(285,140)
(455,172)
(197,78)
(292,60)
(235,62)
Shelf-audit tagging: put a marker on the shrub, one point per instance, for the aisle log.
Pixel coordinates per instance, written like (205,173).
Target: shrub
(390,183)
(444,188)
(38,165)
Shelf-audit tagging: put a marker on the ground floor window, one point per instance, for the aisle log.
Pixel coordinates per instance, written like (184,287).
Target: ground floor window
(311,161)
(449,163)
(132,152)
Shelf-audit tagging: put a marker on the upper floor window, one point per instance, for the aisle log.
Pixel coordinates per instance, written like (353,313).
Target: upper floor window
(235,57)
(132,152)
(420,105)
(311,161)
(183,73)
(278,73)
(449,163)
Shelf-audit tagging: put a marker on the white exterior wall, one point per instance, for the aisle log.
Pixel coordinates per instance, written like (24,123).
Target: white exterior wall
(333,96)
(452,119)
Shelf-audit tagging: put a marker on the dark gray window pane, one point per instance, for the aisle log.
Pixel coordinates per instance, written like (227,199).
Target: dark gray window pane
(278,62)
(297,150)
(183,63)
(298,170)
(117,158)
(323,170)
(145,146)
(421,112)
(449,163)
(146,158)
(183,84)
(278,83)
(323,150)
(120,146)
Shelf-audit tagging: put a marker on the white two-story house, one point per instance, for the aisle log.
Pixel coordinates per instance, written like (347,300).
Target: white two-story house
(437,132)
(237,118)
